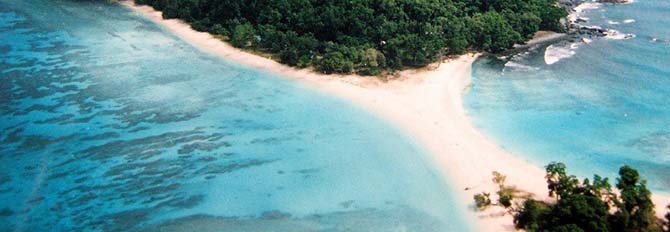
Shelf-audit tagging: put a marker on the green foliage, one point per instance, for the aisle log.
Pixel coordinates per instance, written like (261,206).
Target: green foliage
(531,214)
(218,29)
(548,16)
(370,36)
(491,32)
(559,182)
(587,206)
(505,194)
(372,62)
(526,24)
(334,62)
(482,200)
(243,35)
(636,210)
(505,199)
(585,211)
(294,49)
(566,228)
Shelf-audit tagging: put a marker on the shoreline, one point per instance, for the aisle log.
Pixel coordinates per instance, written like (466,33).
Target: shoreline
(427,107)
(540,37)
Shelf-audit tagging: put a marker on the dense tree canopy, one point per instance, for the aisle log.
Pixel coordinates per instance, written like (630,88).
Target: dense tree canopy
(366,36)
(591,206)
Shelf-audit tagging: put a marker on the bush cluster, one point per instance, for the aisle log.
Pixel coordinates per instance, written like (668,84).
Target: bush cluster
(592,205)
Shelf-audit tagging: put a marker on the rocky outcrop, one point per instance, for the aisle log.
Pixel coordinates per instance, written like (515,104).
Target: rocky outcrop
(588,30)
(575,24)
(615,1)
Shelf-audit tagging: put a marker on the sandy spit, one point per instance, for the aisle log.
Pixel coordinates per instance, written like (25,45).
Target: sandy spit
(425,103)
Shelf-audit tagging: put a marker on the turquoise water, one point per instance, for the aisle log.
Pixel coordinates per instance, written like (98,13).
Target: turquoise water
(605,106)
(110,123)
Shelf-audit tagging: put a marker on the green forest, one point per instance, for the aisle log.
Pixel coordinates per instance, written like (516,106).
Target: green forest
(368,37)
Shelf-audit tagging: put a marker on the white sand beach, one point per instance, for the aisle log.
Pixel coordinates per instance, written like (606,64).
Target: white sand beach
(426,104)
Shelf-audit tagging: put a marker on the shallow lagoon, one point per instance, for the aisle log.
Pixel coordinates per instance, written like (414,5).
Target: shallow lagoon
(109,123)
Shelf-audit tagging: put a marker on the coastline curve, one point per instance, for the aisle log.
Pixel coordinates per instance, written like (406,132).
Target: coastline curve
(428,107)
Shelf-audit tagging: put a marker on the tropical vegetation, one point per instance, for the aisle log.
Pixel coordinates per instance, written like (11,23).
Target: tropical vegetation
(588,205)
(366,36)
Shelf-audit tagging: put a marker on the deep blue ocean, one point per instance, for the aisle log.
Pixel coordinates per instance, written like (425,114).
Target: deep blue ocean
(110,123)
(605,104)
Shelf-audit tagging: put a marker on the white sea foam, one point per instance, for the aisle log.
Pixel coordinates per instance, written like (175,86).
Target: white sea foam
(587,6)
(614,34)
(581,8)
(574,46)
(554,53)
(626,21)
(519,66)
(592,27)
(517,62)
(521,56)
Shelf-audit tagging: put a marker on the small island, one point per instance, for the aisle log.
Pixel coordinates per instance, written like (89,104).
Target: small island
(366,37)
